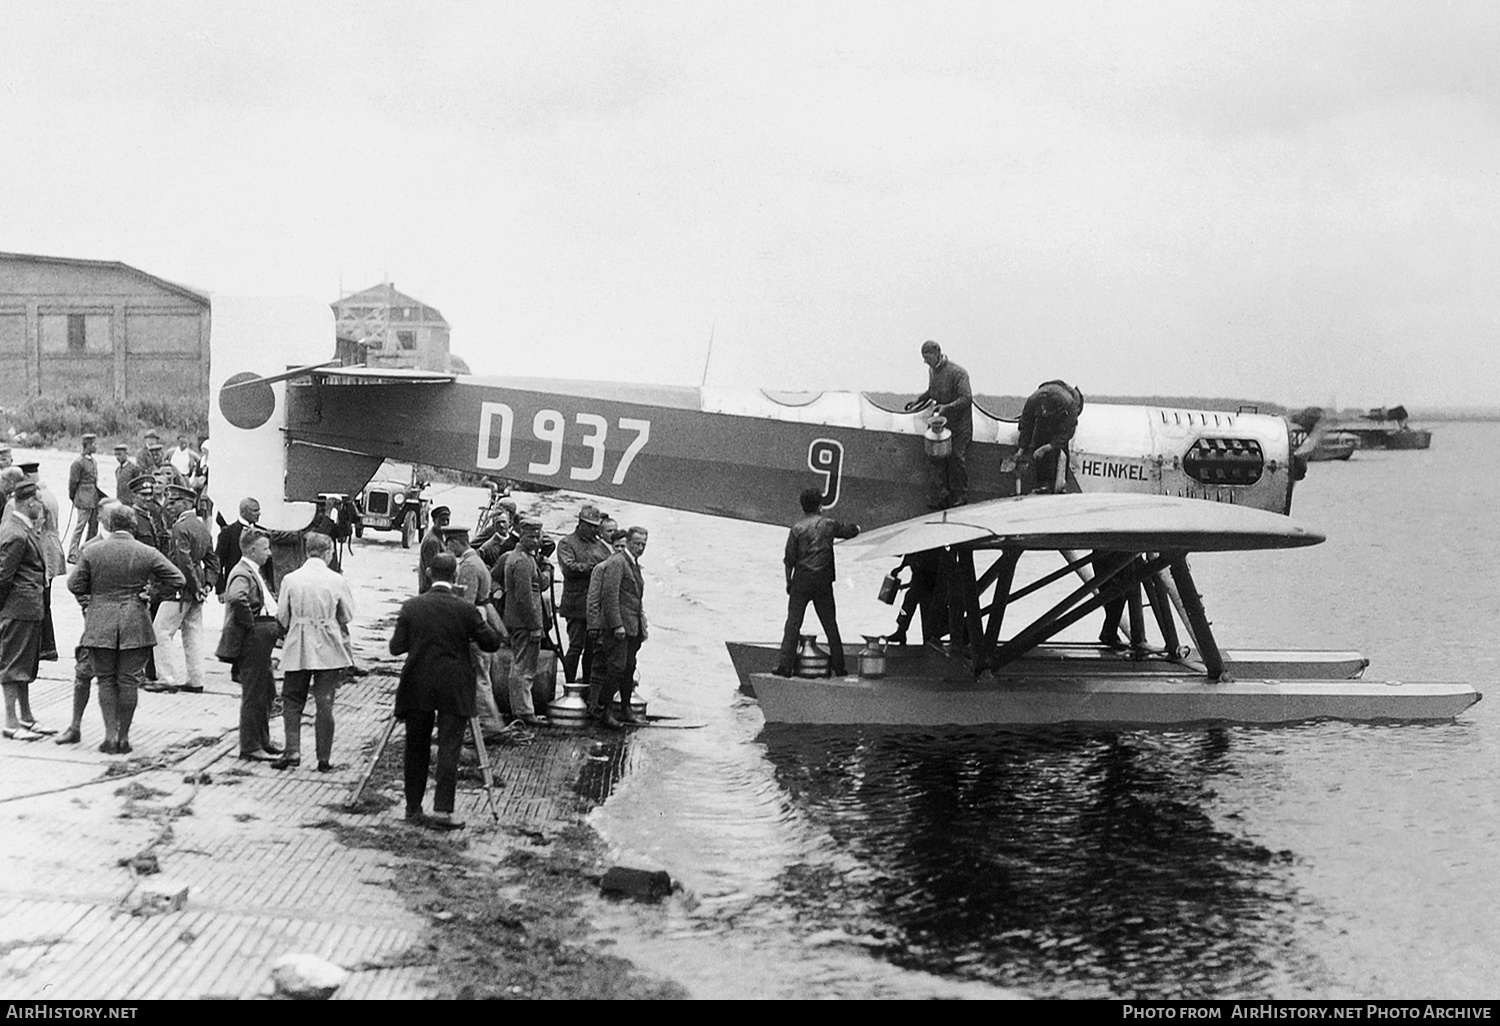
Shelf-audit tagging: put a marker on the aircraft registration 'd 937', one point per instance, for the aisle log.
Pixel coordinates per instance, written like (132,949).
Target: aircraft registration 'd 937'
(286,435)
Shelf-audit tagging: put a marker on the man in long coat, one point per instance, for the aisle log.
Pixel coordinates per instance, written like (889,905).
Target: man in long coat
(109,580)
(315,609)
(577,554)
(23,578)
(524,623)
(431,545)
(434,631)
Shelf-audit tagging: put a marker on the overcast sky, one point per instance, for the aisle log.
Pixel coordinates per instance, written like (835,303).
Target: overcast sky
(1292,201)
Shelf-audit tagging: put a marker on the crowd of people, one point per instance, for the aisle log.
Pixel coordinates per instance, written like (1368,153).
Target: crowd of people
(143,562)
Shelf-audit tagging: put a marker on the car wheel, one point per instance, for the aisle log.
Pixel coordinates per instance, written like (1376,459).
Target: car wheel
(409,531)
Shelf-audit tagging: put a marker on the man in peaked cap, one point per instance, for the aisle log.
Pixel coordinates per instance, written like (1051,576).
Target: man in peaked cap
(150,456)
(524,622)
(126,471)
(948,389)
(52,552)
(473,584)
(23,572)
(432,544)
(84,494)
(577,554)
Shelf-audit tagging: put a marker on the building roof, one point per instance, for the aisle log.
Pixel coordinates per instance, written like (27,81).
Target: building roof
(385,294)
(195,295)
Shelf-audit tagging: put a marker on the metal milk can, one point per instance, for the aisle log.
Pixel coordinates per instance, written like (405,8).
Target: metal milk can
(872,657)
(938,439)
(812,658)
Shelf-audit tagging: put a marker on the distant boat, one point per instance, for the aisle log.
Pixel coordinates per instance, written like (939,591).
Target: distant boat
(1334,445)
(1384,428)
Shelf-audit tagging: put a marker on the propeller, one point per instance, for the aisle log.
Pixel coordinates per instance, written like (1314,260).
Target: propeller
(1314,424)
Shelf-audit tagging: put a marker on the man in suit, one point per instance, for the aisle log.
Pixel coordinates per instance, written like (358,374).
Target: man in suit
(314,610)
(228,549)
(594,616)
(249,635)
(191,550)
(84,494)
(23,577)
(434,630)
(622,621)
(109,580)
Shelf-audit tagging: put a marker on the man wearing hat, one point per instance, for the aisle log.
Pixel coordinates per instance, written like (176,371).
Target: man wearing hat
(523,618)
(578,553)
(434,631)
(473,584)
(190,548)
(52,552)
(110,577)
(432,544)
(126,471)
(84,494)
(150,457)
(948,387)
(23,575)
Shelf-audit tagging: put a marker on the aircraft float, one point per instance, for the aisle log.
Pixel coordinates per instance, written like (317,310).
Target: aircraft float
(1149,487)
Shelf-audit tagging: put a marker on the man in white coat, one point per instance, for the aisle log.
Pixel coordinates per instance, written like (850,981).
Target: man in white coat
(315,609)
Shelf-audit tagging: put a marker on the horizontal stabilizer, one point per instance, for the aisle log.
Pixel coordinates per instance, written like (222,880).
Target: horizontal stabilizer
(1118,522)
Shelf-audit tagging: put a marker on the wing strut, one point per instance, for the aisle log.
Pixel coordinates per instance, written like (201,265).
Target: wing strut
(1159,580)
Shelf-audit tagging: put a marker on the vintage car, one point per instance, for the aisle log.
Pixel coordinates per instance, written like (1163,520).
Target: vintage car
(393,501)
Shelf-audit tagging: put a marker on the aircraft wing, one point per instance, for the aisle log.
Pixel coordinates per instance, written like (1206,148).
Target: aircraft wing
(1115,521)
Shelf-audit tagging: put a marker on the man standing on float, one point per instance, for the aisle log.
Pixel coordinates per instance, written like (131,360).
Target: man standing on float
(948,387)
(809,578)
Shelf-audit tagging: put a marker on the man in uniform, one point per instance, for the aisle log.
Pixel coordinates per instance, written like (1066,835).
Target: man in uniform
(110,577)
(23,574)
(150,456)
(435,631)
(1047,423)
(126,471)
(52,552)
(810,575)
(432,544)
(948,387)
(578,553)
(84,494)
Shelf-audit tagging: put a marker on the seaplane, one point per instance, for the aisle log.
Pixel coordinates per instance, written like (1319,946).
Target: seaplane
(1146,487)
